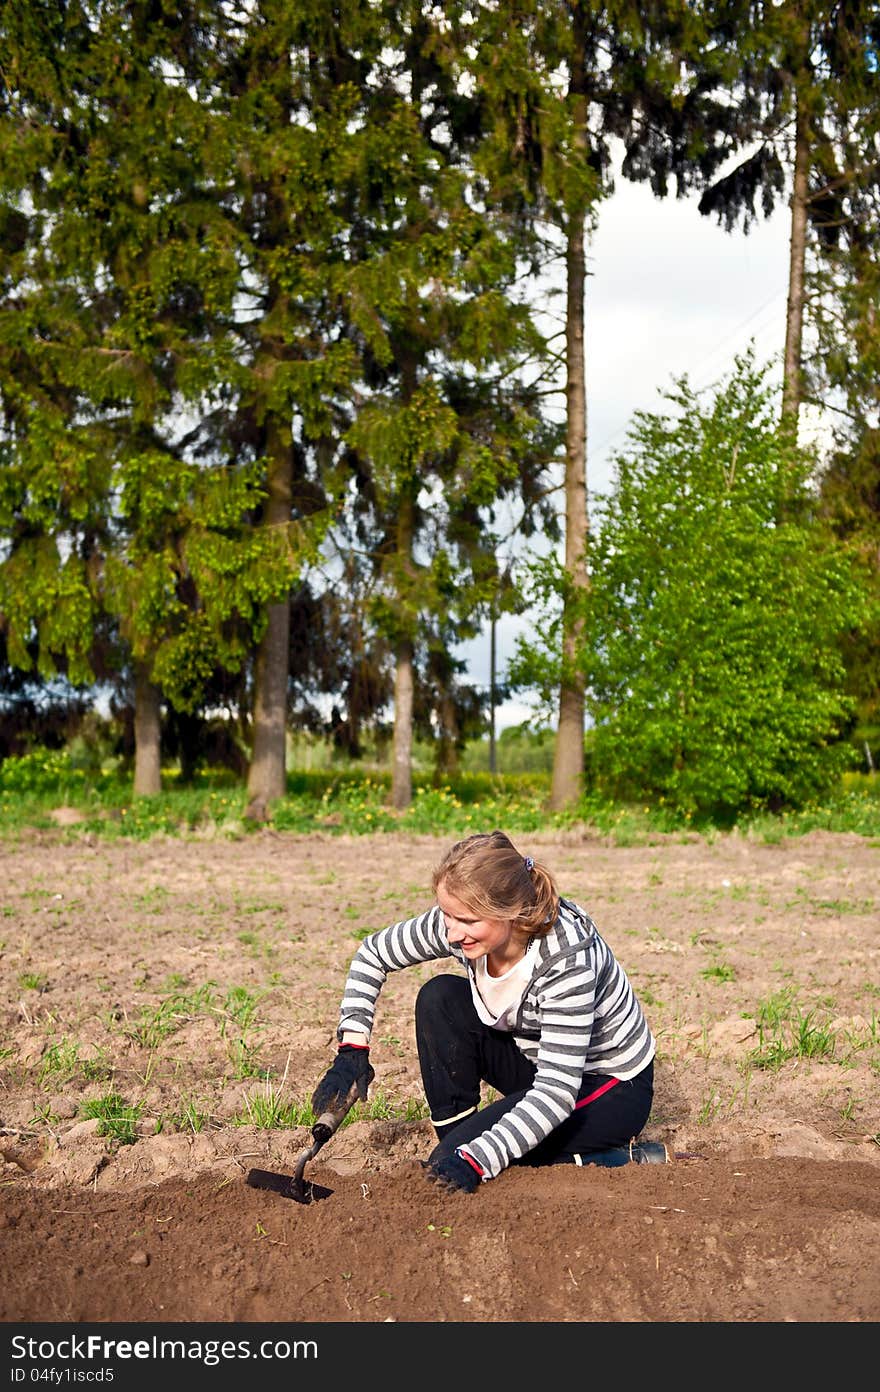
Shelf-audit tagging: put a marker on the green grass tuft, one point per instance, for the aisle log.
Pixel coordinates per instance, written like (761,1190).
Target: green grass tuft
(118,1118)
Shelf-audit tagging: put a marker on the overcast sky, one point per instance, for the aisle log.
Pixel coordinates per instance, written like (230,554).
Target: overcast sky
(669,293)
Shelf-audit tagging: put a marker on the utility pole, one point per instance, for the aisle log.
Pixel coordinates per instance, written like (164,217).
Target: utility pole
(492,760)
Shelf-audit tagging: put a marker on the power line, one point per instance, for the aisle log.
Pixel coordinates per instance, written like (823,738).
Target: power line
(598,450)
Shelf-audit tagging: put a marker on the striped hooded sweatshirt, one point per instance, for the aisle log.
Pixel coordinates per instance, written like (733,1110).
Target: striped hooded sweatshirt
(578,1014)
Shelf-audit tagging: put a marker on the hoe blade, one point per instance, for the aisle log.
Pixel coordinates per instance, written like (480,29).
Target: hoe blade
(288,1186)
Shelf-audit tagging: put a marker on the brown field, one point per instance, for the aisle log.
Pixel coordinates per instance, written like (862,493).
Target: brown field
(200,981)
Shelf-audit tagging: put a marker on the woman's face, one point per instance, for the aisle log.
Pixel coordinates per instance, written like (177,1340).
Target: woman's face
(477,937)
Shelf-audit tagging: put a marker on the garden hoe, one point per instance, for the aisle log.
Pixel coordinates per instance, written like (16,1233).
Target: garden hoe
(294,1186)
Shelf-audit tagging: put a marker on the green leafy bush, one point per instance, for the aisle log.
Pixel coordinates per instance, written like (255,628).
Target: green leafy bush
(715,613)
(41,772)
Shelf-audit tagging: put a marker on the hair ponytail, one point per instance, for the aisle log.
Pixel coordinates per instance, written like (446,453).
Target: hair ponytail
(546,906)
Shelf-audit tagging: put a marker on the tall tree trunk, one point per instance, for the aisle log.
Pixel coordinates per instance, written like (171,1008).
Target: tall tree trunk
(147,755)
(568,754)
(792,388)
(404,679)
(267,774)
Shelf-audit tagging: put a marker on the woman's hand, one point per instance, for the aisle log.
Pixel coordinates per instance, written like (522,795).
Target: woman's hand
(352,1066)
(458,1171)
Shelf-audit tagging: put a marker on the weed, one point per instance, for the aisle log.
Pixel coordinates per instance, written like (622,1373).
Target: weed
(414,1109)
(255,944)
(240,1005)
(61,1059)
(775,1010)
(703,1048)
(32,981)
(96,1069)
(648,998)
(269,1110)
(148,1072)
(811,1040)
(154,900)
(857,1040)
(721,971)
(44,1116)
(243,1057)
(118,1118)
(153,1027)
(708,1109)
(255,906)
(841,907)
(785,1032)
(380,1107)
(771,1056)
(744,1091)
(189,1118)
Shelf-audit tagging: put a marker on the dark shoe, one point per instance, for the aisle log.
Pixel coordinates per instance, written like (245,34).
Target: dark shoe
(649,1153)
(636,1153)
(608,1159)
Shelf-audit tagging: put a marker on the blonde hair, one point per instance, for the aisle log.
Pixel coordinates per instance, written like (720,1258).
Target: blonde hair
(488,874)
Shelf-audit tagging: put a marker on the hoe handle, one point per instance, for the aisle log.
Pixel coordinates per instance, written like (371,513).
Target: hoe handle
(330,1121)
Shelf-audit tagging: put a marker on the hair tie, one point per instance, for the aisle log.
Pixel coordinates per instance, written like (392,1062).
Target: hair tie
(529,864)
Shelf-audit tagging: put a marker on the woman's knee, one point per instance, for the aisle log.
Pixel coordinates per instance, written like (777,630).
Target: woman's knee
(442,996)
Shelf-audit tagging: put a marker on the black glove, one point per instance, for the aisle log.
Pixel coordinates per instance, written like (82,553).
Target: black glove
(352,1066)
(455,1172)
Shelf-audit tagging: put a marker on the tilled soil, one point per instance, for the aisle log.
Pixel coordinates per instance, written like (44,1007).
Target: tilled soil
(200,981)
(696,1240)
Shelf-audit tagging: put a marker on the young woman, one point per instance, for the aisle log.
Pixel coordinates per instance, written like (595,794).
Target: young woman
(544,1015)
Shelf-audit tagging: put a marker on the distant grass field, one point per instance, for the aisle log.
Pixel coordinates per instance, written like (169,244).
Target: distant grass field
(47,789)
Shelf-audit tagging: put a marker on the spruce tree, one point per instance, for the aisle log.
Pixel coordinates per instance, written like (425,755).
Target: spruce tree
(804,80)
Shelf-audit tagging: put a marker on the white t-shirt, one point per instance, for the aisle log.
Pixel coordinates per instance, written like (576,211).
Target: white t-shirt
(496,998)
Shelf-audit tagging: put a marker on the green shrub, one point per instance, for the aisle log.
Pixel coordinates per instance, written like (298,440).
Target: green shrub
(41,772)
(714,616)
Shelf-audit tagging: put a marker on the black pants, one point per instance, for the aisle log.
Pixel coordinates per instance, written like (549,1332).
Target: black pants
(457,1053)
